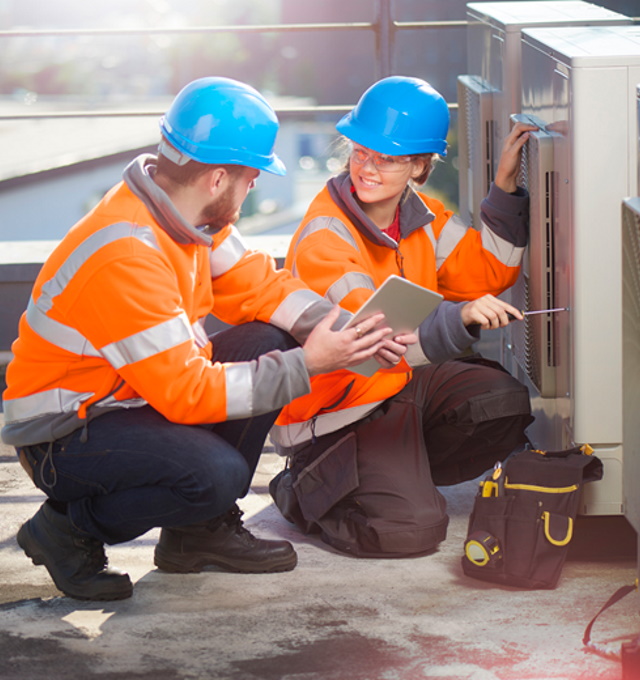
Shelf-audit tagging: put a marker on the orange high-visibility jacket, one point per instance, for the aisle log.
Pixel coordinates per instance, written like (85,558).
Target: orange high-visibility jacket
(342,255)
(116,321)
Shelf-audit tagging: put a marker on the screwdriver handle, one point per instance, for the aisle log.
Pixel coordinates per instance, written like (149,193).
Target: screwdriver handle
(477,325)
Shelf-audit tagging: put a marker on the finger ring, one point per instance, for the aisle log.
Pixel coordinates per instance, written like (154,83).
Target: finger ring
(359,332)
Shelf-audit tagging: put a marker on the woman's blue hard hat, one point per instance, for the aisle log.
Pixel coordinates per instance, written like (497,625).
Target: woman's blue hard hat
(399,116)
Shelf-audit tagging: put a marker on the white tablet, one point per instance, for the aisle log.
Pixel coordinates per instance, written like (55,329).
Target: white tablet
(404,304)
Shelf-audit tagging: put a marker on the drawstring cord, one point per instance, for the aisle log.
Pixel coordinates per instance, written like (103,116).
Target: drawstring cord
(54,473)
(84,436)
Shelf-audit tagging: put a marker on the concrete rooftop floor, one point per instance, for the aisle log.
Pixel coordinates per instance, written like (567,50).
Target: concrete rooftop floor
(332,618)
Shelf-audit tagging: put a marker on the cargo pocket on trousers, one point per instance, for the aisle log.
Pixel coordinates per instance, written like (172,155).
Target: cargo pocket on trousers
(281,490)
(328,479)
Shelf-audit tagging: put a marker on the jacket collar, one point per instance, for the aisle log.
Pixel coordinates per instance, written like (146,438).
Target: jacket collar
(138,176)
(414,213)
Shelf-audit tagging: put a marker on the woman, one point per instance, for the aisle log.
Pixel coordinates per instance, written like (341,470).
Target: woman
(365,454)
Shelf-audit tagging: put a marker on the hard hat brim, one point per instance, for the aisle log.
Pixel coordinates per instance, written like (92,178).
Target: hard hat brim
(211,155)
(350,128)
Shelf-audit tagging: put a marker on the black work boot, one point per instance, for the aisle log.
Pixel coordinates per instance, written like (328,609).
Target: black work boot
(221,542)
(76,563)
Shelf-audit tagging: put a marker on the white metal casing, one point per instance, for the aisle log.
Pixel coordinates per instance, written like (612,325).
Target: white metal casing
(490,93)
(581,83)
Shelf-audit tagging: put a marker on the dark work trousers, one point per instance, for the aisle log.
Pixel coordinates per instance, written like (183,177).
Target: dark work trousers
(137,470)
(371,487)
(474,414)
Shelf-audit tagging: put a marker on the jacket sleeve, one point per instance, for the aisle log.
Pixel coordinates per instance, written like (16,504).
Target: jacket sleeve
(471,262)
(247,286)
(442,334)
(142,331)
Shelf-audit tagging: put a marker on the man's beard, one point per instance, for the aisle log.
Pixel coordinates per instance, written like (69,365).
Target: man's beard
(220,212)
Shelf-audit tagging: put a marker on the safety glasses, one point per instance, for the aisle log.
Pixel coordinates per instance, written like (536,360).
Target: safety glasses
(380,161)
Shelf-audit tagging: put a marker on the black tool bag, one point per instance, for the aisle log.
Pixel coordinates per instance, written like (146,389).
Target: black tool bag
(522,520)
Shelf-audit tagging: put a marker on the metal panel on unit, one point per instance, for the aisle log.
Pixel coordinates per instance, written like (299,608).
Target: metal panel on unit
(579,83)
(494,59)
(475,145)
(536,343)
(631,357)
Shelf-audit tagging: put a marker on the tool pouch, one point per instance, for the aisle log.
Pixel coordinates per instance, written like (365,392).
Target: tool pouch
(522,520)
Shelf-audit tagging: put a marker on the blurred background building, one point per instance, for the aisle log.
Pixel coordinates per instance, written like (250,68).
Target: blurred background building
(133,56)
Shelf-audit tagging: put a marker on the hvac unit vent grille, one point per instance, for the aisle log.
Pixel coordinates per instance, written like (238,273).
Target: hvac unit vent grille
(535,341)
(476,155)
(631,356)
(631,225)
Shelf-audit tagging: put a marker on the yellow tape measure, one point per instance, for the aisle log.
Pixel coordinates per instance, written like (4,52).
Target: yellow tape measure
(481,548)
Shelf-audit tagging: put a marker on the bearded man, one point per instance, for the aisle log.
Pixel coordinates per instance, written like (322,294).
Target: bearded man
(121,408)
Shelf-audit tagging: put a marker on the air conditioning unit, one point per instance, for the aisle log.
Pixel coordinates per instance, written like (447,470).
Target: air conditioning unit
(631,356)
(638,147)
(475,145)
(490,92)
(536,343)
(579,85)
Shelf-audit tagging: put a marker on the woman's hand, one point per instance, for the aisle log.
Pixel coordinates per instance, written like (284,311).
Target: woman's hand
(488,312)
(392,351)
(507,172)
(326,350)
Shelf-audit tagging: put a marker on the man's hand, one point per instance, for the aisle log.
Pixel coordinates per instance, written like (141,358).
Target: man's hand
(488,312)
(326,350)
(392,351)
(507,172)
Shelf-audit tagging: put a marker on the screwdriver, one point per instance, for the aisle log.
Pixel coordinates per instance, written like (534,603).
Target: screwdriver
(527,313)
(538,311)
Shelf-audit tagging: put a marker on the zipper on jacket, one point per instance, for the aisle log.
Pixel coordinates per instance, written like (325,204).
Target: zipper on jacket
(400,262)
(340,399)
(330,407)
(84,435)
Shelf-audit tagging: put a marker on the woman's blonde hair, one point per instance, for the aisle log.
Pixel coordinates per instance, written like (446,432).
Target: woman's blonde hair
(430,161)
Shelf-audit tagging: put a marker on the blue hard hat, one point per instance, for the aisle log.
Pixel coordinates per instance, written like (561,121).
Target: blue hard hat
(223,121)
(399,116)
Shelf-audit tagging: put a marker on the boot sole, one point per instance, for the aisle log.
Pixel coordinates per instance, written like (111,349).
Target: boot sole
(31,548)
(196,563)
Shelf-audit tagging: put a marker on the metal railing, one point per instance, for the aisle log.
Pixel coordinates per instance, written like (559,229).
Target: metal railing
(384,28)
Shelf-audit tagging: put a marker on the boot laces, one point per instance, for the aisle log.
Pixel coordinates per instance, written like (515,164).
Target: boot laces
(233,519)
(95,559)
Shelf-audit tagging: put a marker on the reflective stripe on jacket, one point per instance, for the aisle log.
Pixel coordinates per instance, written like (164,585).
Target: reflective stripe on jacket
(116,320)
(342,255)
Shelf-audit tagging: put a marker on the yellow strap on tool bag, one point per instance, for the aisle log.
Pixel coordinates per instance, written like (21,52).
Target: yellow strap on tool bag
(541,489)
(546,517)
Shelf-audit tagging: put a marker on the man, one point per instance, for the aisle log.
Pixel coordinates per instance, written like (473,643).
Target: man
(121,409)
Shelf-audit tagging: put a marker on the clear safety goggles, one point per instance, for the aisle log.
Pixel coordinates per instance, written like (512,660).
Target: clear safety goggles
(381,162)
